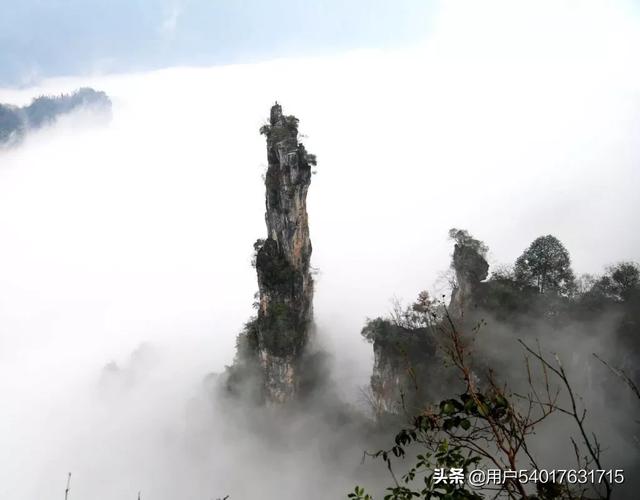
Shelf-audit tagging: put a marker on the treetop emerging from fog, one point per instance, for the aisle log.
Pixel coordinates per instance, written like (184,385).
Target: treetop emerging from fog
(546,265)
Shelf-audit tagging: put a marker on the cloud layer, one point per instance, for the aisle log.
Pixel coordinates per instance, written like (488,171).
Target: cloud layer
(510,122)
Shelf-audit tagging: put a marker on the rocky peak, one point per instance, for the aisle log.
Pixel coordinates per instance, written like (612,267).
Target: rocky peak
(287,181)
(469,264)
(471,269)
(280,333)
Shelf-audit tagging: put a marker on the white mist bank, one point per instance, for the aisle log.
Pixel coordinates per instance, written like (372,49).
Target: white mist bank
(510,124)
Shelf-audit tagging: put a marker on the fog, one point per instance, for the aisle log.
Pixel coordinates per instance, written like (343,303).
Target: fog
(131,243)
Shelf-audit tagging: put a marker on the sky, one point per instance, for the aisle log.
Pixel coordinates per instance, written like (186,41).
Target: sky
(61,37)
(131,242)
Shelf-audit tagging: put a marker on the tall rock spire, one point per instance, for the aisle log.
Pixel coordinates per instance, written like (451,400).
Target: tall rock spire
(287,182)
(471,269)
(275,341)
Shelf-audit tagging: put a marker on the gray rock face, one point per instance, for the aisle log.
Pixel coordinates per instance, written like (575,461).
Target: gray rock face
(404,349)
(280,333)
(402,369)
(405,356)
(387,381)
(471,269)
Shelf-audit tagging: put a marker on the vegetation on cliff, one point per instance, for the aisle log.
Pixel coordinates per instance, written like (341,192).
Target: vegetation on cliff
(275,341)
(15,121)
(467,407)
(468,403)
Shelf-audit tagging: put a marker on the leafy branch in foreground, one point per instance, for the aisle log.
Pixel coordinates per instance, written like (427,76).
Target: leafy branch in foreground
(488,426)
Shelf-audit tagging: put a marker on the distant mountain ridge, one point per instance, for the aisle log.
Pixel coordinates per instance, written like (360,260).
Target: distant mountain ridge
(16,121)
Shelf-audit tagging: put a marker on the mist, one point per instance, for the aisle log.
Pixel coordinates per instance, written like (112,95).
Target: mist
(125,249)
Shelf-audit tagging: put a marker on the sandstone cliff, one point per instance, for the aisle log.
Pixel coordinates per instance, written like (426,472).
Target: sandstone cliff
(403,365)
(407,370)
(471,269)
(273,344)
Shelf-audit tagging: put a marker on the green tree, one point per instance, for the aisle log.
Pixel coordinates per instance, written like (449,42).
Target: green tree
(546,266)
(621,282)
(11,123)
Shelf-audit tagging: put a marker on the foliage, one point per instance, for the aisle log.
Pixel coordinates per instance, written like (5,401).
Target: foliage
(464,239)
(265,129)
(247,340)
(274,269)
(277,132)
(408,326)
(620,283)
(420,314)
(513,294)
(308,158)
(11,123)
(257,245)
(44,110)
(291,123)
(404,345)
(445,456)
(282,330)
(487,425)
(546,266)
(503,273)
